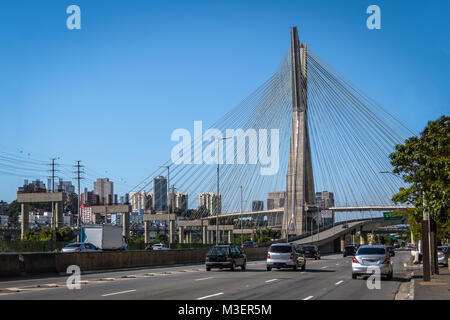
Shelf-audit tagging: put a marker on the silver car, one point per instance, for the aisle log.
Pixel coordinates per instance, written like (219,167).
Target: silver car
(285,255)
(80,247)
(367,257)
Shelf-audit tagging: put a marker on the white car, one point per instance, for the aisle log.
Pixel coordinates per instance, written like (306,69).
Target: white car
(81,247)
(160,246)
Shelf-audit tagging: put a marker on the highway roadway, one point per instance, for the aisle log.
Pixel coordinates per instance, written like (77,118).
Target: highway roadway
(328,278)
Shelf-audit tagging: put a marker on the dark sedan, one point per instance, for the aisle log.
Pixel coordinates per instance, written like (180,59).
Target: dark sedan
(225,256)
(350,250)
(391,250)
(311,252)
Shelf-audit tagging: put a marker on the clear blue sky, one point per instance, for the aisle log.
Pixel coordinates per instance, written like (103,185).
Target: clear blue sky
(111,93)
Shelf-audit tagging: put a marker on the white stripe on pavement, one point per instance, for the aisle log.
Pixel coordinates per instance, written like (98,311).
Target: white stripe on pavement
(271,280)
(112,294)
(323,267)
(308,298)
(212,295)
(203,279)
(339,282)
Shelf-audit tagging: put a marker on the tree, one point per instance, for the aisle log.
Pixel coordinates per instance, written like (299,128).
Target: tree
(13,212)
(424,163)
(161,238)
(71,203)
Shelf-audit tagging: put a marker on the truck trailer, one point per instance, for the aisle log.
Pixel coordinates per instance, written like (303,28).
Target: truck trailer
(105,236)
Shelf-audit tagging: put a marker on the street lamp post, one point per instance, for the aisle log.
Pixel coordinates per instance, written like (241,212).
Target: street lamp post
(218,189)
(241,219)
(168,203)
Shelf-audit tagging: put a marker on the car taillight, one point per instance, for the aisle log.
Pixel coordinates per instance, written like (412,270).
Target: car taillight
(313,250)
(387,261)
(77,250)
(268,256)
(354,260)
(207,260)
(292,256)
(229,260)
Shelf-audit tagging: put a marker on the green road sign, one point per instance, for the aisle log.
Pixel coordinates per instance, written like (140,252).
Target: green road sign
(390,215)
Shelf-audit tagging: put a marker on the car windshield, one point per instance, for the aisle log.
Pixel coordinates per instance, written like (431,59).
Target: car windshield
(443,249)
(73,245)
(280,249)
(218,251)
(248,242)
(308,248)
(371,251)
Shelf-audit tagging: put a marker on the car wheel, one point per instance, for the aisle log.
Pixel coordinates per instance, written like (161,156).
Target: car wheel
(295,267)
(269,269)
(304,267)
(319,258)
(354,276)
(315,258)
(208,269)
(232,267)
(389,276)
(244,266)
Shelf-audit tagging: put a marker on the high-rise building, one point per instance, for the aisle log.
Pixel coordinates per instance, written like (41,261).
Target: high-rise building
(325,199)
(105,190)
(181,200)
(141,200)
(160,193)
(257,205)
(275,200)
(89,197)
(65,186)
(211,201)
(3,206)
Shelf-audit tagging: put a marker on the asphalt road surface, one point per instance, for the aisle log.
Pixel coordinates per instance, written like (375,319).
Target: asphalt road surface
(328,278)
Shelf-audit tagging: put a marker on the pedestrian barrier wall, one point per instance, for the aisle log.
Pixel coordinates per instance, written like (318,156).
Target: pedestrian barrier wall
(50,263)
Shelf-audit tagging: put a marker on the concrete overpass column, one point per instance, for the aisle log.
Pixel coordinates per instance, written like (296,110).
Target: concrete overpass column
(146,232)
(363,238)
(204,235)
(24,219)
(230,236)
(342,243)
(59,214)
(181,234)
(126,225)
(171,226)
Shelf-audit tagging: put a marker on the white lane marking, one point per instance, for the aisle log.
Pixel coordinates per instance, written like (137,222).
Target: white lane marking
(203,279)
(211,295)
(271,280)
(337,264)
(339,282)
(308,298)
(114,293)
(323,267)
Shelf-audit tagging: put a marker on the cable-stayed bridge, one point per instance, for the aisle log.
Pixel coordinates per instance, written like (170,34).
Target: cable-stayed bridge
(306,129)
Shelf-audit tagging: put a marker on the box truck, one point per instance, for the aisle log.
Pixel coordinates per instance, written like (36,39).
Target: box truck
(105,236)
